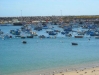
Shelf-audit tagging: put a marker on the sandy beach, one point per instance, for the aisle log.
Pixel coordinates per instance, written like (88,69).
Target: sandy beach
(83,71)
(80,71)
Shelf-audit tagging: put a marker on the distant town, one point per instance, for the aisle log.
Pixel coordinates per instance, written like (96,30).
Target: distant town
(33,19)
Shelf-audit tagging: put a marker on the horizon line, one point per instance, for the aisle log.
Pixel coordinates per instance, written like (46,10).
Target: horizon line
(48,16)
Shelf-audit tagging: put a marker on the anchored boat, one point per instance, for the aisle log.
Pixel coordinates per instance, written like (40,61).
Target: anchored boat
(74,43)
(24,42)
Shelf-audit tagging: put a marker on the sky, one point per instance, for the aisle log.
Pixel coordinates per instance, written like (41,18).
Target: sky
(11,8)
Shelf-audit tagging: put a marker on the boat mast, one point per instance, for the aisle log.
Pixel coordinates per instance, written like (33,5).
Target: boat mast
(21,17)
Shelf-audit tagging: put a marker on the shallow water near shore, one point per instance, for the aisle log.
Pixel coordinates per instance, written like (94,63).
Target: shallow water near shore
(46,54)
(41,55)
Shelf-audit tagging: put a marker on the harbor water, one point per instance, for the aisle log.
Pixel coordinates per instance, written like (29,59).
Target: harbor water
(49,53)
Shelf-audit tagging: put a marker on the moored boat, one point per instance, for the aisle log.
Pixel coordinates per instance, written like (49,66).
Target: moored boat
(23,37)
(31,36)
(80,36)
(96,37)
(24,42)
(17,24)
(41,36)
(74,43)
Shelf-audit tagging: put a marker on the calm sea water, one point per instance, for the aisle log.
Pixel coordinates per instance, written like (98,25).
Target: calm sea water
(45,54)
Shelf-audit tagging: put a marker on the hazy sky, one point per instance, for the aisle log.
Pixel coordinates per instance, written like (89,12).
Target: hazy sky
(48,7)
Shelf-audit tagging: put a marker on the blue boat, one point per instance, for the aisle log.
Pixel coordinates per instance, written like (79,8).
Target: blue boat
(52,33)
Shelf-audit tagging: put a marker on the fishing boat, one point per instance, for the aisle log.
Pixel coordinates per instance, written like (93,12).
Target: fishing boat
(24,42)
(17,24)
(69,35)
(79,36)
(52,33)
(31,36)
(74,43)
(41,36)
(23,37)
(96,37)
